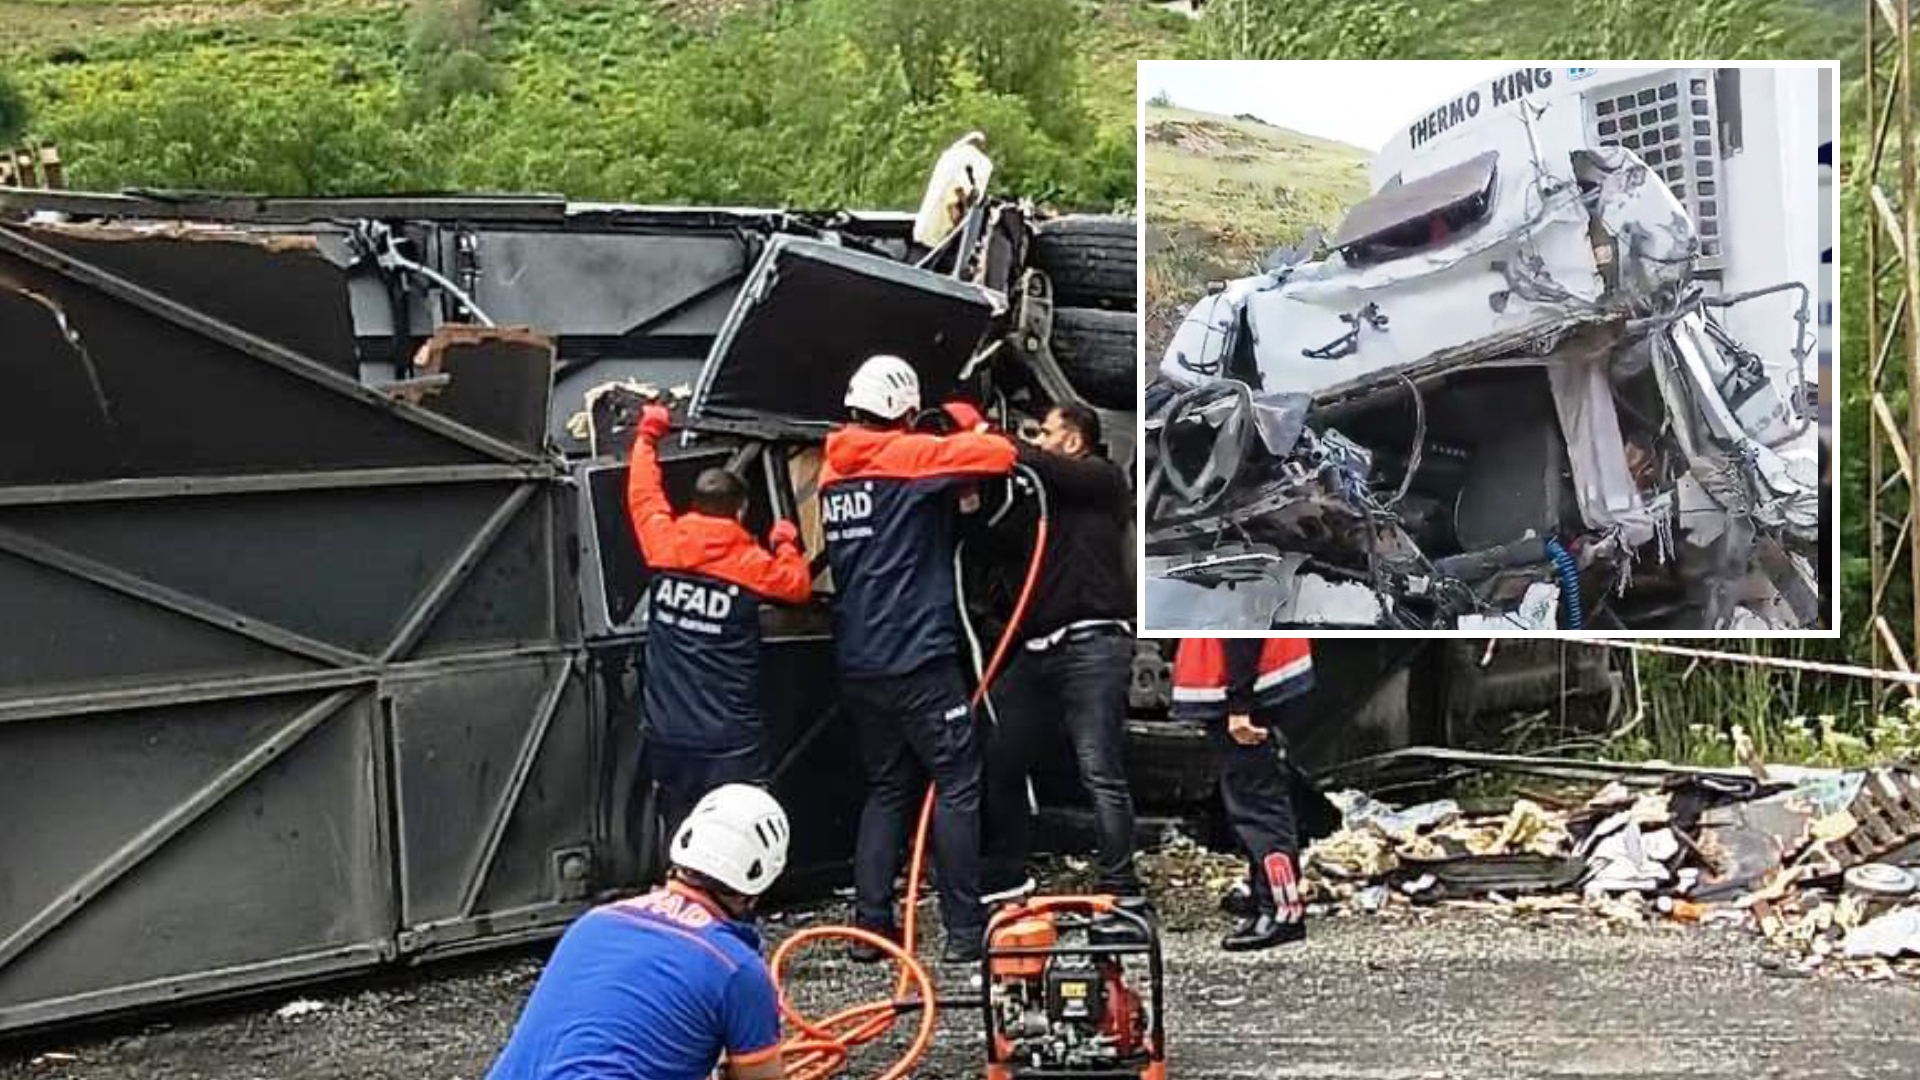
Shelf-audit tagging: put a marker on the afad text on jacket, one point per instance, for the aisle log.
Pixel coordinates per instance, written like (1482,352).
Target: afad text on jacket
(888,498)
(703,624)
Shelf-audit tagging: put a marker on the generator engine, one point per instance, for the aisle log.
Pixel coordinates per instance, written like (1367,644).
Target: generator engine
(1061,1000)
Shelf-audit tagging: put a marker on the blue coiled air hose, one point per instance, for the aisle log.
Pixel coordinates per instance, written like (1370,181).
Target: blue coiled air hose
(1569,581)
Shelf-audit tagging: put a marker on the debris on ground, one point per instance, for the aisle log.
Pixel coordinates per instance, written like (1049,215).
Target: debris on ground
(1826,866)
(294,1010)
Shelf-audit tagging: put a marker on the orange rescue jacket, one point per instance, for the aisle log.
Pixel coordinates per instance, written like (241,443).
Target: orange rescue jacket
(1213,677)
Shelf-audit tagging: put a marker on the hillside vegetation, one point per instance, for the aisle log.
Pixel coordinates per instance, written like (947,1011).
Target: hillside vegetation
(1222,192)
(815,103)
(1575,30)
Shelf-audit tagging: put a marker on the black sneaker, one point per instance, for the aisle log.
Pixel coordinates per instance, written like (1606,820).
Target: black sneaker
(862,953)
(962,949)
(1263,931)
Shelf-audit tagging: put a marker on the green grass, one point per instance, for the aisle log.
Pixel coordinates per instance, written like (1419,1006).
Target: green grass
(1692,708)
(602,99)
(1222,192)
(127,3)
(1119,33)
(1578,29)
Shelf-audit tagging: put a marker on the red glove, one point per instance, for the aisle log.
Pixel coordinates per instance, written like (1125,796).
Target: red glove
(784,532)
(965,415)
(654,422)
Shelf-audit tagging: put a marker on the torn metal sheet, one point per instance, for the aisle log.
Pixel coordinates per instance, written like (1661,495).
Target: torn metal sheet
(1245,604)
(811,312)
(1603,474)
(499,382)
(279,285)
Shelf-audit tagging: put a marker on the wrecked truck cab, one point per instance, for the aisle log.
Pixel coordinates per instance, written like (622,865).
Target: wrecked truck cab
(1505,399)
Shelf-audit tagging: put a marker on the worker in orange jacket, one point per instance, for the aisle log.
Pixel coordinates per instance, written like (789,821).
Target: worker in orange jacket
(1242,690)
(890,497)
(701,693)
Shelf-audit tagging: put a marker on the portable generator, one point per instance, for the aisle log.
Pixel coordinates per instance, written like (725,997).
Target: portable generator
(1061,997)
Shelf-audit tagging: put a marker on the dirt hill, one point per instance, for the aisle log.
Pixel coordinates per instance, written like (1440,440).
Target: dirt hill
(1222,191)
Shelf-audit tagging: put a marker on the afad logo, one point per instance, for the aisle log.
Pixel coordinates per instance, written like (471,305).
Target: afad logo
(671,905)
(1576,74)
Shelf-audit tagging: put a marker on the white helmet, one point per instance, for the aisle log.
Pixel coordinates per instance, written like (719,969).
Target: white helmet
(885,386)
(736,835)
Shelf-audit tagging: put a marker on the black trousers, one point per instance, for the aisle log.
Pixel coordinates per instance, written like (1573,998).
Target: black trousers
(1080,684)
(685,776)
(912,728)
(1256,785)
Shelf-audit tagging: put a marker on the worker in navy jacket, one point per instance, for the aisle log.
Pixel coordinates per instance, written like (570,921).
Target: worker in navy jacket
(1243,690)
(701,697)
(889,496)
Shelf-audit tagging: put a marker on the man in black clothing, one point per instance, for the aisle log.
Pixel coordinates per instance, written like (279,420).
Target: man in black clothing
(1247,691)
(1075,660)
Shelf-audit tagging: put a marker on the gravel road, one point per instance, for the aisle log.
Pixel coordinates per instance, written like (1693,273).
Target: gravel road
(1416,994)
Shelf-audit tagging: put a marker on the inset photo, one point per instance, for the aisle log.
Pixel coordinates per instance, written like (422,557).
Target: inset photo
(1477,348)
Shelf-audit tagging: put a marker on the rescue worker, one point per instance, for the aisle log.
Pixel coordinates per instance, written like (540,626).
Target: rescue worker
(701,698)
(889,495)
(1243,690)
(668,984)
(1075,662)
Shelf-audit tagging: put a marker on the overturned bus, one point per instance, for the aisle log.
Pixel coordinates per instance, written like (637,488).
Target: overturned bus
(1553,373)
(323,609)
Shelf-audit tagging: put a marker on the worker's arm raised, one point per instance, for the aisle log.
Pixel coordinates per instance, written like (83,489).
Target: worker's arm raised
(966,453)
(647,502)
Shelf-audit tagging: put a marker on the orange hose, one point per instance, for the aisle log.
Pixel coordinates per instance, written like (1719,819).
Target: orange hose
(821,1048)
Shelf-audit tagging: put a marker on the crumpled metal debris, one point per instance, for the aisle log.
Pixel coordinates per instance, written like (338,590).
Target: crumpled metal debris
(1697,851)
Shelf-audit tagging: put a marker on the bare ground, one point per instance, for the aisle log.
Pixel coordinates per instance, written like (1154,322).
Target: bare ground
(1437,994)
(30,23)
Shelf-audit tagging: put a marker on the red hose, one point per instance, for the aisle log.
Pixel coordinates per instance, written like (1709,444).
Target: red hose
(821,1048)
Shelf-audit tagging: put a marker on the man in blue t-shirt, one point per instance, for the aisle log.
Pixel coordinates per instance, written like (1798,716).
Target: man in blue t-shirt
(667,985)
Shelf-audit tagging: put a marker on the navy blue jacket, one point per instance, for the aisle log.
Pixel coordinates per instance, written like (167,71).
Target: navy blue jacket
(703,618)
(887,498)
